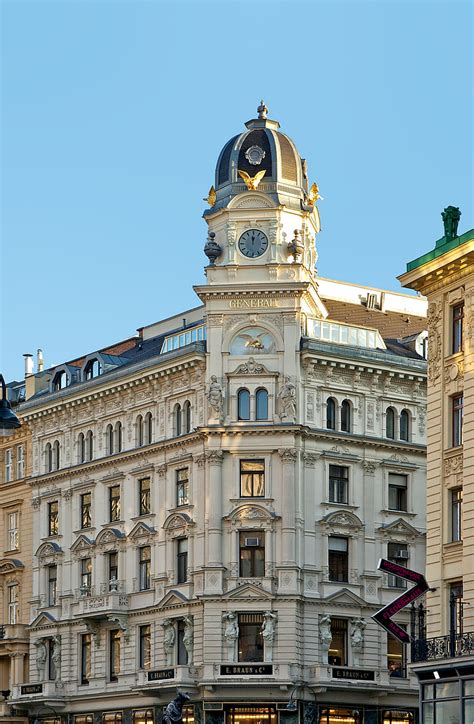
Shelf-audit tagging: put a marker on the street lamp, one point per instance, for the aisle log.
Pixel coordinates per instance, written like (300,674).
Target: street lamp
(8,420)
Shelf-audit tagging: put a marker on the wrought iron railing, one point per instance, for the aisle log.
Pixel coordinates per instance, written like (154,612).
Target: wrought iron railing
(442,647)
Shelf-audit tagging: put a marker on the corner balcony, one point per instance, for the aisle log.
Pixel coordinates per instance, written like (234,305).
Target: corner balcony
(440,648)
(13,632)
(100,602)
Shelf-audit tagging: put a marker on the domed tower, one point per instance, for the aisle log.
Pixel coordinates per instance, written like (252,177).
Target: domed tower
(263,210)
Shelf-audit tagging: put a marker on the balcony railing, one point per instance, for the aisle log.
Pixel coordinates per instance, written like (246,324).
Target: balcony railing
(443,647)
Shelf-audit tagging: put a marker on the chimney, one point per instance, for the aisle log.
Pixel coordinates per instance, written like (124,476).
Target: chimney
(28,364)
(39,360)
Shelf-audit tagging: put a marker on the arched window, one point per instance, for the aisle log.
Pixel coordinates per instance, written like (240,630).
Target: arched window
(89,445)
(177,419)
(56,457)
(118,437)
(243,404)
(405,425)
(81,448)
(390,423)
(261,404)
(148,428)
(139,431)
(48,457)
(331,413)
(109,440)
(60,381)
(187,416)
(346,416)
(93,369)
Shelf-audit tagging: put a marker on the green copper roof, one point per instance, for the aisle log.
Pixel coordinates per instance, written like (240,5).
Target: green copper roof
(443,245)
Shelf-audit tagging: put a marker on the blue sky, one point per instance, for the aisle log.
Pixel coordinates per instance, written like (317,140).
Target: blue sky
(114,113)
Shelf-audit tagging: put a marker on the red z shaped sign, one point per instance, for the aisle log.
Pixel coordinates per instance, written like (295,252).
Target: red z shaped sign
(384,616)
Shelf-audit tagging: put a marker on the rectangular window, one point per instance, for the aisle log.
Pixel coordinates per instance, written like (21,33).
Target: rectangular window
(250,637)
(182,487)
(145,646)
(252,554)
(51,660)
(13,537)
(82,719)
(8,465)
(337,655)
(86,505)
(457,417)
(397,491)
(182,654)
(112,717)
(456,607)
(144,496)
(114,503)
(20,462)
(456,514)
(85,658)
(396,657)
(52,585)
(182,560)
(457,320)
(86,575)
(113,570)
(114,654)
(144,564)
(142,716)
(252,478)
(338,558)
(13,604)
(397,553)
(53,518)
(338,484)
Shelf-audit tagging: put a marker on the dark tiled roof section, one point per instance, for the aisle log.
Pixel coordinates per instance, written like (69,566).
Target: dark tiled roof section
(392,325)
(116,349)
(395,346)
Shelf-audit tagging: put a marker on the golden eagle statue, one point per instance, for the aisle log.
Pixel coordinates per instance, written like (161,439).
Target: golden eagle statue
(211,197)
(250,182)
(313,195)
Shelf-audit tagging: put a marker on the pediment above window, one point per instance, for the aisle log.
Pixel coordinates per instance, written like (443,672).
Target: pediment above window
(49,550)
(251,367)
(248,591)
(251,513)
(399,529)
(141,532)
(109,535)
(342,521)
(173,598)
(82,543)
(178,521)
(9,565)
(344,597)
(44,619)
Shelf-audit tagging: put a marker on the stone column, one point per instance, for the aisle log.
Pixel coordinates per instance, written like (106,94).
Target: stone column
(214,509)
(288,458)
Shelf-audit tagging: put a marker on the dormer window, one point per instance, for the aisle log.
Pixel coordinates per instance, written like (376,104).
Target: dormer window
(93,369)
(60,381)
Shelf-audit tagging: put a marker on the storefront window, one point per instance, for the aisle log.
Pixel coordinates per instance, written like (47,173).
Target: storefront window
(250,637)
(142,716)
(250,715)
(338,648)
(112,717)
(83,719)
(188,714)
(397,717)
(340,716)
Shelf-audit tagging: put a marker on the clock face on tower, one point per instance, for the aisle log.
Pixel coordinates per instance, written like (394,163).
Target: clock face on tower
(253,243)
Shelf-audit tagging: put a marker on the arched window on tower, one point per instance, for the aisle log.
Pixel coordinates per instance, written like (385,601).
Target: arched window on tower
(390,423)
(81,448)
(405,425)
(139,431)
(261,404)
(177,415)
(109,440)
(89,451)
(148,429)
(187,416)
(118,437)
(346,416)
(56,455)
(331,413)
(48,454)
(243,404)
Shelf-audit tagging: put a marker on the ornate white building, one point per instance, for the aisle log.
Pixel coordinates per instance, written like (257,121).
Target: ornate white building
(211,498)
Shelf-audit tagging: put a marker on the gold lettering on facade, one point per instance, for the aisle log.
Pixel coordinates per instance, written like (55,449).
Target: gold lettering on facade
(252,303)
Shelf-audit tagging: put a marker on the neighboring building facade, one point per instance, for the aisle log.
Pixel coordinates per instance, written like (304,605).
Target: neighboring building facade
(211,498)
(446,654)
(16,534)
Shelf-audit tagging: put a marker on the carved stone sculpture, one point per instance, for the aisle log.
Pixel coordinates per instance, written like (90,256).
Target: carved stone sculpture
(168,640)
(287,401)
(56,656)
(188,638)
(325,635)
(215,398)
(268,633)
(357,637)
(231,634)
(41,656)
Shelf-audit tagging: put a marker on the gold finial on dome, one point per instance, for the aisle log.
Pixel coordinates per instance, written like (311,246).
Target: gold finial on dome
(262,110)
